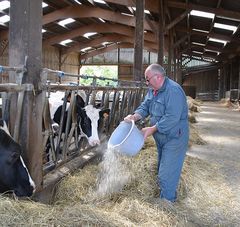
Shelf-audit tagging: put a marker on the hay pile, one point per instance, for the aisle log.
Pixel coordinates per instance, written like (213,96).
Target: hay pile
(194,137)
(193,105)
(204,198)
(25,213)
(226,102)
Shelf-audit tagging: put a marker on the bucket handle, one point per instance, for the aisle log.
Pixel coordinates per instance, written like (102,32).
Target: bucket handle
(132,121)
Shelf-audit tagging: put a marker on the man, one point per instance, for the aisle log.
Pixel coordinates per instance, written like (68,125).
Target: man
(166,105)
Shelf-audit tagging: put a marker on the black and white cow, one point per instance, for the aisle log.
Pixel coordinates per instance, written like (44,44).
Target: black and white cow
(14,175)
(87,116)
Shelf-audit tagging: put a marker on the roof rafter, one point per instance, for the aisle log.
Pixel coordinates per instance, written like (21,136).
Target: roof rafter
(100,28)
(109,38)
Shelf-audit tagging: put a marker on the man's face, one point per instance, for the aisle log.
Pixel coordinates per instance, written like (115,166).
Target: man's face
(153,79)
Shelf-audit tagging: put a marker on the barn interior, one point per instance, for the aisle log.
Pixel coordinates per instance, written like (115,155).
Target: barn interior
(45,47)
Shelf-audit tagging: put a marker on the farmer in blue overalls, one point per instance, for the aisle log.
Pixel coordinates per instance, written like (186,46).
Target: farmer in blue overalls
(166,105)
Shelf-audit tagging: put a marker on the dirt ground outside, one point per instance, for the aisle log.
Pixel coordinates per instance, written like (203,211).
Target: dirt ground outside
(220,128)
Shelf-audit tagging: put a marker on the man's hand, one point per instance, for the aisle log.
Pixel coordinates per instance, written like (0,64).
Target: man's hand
(148,131)
(132,117)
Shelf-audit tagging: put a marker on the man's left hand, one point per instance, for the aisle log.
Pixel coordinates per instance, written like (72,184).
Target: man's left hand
(148,131)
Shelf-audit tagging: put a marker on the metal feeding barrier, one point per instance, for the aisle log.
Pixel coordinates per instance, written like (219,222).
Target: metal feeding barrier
(60,147)
(8,89)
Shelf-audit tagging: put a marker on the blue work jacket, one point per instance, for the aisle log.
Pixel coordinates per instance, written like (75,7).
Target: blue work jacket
(168,109)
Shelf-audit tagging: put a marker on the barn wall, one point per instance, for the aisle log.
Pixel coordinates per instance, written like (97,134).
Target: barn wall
(206,84)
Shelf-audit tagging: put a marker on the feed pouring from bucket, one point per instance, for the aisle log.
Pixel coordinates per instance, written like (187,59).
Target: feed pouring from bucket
(127,139)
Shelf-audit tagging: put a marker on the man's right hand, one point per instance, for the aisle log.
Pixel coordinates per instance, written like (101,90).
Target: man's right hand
(132,117)
(129,118)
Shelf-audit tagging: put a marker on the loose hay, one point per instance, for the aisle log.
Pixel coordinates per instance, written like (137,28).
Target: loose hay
(204,198)
(25,213)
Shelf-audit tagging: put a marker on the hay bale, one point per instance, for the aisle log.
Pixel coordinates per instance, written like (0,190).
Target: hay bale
(193,105)
(194,137)
(192,117)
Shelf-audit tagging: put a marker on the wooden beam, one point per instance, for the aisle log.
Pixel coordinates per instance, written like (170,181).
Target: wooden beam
(176,44)
(110,48)
(106,38)
(211,35)
(100,28)
(176,20)
(82,11)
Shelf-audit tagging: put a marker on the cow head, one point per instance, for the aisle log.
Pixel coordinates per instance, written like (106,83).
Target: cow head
(13,172)
(89,119)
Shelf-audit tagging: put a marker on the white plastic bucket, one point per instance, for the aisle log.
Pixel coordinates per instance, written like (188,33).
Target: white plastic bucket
(126,138)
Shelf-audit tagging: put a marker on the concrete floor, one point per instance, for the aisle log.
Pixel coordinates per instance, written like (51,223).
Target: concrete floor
(220,128)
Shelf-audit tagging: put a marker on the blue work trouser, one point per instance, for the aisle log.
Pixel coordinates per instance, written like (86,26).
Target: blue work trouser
(171,154)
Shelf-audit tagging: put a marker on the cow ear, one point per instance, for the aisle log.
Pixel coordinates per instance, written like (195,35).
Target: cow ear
(13,158)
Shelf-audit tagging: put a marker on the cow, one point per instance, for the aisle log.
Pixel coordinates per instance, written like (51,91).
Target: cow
(87,116)
(14,175)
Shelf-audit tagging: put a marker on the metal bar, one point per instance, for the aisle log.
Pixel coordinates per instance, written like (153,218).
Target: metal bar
(62,74)
(12,87)
(69,118)
(12,69)
(61,125)
(61,87)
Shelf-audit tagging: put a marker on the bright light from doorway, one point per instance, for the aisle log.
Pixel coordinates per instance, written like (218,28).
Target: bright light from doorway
(202,14)
(44,30)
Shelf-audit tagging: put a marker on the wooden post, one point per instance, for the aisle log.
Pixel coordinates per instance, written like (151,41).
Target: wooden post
(25,39)
(170,56)
(161,28)
(221,82)
(139,41)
